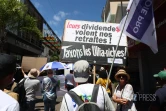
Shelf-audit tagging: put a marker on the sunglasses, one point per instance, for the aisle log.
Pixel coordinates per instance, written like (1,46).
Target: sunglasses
(121,76)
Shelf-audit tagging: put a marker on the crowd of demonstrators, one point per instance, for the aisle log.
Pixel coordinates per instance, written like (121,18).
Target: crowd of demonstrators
(49,86)
(85,92)
(160,101)
(76,85)
(82,93)
(69,81)
(7,71)
(20,95)
(123,94)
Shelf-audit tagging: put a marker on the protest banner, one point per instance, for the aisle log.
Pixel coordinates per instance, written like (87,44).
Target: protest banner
(92,41)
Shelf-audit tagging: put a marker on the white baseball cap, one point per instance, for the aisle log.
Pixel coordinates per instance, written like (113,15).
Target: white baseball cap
(81,71)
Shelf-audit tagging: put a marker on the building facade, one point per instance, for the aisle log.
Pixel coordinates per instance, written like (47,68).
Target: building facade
(20,44)
(24,43)
(150,63)
(50,42)
(142,62)
(113,12)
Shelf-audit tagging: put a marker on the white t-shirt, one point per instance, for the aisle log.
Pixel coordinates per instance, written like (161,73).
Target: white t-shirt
(85,91)
(7,103)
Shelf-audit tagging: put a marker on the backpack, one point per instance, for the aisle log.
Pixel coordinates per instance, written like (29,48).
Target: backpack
(87,106)
(19,89)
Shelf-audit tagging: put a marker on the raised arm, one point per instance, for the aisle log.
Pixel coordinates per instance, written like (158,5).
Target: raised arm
(25,76)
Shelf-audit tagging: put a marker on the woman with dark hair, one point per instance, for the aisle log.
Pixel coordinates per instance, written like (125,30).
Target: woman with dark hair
(102,80)
(123,94)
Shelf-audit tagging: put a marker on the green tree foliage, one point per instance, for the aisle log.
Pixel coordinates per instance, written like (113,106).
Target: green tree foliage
(54,57)
(14,17)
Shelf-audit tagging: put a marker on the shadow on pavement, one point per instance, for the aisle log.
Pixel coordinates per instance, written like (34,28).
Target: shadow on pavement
(41,101)
(40,105)
(39,108)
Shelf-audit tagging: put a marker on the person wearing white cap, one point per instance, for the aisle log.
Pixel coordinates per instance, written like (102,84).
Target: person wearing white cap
(84,90)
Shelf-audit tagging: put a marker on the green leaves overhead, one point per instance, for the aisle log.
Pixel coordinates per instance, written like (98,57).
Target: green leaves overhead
(30,24)
(14,17)
(54,57)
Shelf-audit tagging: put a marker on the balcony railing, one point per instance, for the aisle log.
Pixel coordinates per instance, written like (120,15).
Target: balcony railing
(31,38)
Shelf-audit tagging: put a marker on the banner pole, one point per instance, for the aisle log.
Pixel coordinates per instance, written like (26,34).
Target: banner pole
(104,14)
(94,73)
(116,50)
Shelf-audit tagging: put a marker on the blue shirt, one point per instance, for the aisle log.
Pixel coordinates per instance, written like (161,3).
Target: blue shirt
(49,87)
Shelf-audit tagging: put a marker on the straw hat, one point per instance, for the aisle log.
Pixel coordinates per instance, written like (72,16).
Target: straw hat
(33,73)
(121,72)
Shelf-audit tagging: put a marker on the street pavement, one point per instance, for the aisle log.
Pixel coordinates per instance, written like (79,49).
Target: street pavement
(40,105)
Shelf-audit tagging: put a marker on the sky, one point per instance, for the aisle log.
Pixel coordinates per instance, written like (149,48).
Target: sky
(55,12)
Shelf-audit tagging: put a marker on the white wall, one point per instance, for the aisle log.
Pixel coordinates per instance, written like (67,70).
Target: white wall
(114,10)
(45,53)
